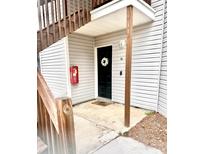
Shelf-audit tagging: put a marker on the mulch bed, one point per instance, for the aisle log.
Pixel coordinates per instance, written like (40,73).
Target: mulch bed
(152,131)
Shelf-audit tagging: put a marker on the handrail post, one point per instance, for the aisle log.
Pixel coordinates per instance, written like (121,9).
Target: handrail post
(66,126)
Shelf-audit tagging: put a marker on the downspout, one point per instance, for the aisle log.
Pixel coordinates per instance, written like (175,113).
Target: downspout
(157,107)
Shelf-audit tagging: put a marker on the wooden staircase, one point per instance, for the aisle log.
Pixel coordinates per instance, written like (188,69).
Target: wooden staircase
(55,123)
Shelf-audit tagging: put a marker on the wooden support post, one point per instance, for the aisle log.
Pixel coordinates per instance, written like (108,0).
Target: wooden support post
(59,18)
(39,115)
(69,15)
(47,23)
(79,20)
(74,16)
(42,120)
(47,131)
(128,64)
(40,26)
(88,12)
(66,126)
(53,139)
(53,20)
(83,12)
(43,13)
(64,18)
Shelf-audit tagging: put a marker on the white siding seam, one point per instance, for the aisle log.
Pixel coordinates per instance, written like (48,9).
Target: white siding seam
(160,56)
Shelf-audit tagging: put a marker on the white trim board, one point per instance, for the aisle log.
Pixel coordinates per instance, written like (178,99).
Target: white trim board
(119,4)
(112,16)
(67,66)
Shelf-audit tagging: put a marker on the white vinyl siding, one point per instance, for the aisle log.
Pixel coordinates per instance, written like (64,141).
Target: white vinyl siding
(53,68)
(81,53)
(162,106)
(147,42)
(118,82)
(148,80)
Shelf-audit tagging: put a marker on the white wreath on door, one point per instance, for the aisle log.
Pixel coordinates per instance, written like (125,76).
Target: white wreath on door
(104,61)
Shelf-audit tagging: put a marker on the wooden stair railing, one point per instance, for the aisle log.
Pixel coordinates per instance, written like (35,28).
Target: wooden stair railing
(48,99)
(58,18)
(55,120)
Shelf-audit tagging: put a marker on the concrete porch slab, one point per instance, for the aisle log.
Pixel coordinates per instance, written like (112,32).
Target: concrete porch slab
(124,145)
(110,116)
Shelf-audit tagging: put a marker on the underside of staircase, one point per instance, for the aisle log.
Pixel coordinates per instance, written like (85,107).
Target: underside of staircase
(60,29)
(58,18)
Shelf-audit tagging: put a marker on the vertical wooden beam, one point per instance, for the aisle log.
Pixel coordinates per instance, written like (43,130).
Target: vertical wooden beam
(64,18)
(59,18)
(88,11)
(128,64)
(66,126)
(69,15)
(74,15)
(47,131)
(92,4)
(39,116)
(53,20)
(43,135)
(83,12)
(43,14)
(58,144)
(40,25)
(79,22)
(53,141)
(47,23)
(56,14)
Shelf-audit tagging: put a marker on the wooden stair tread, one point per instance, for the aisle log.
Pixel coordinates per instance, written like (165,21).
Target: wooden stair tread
(41,146)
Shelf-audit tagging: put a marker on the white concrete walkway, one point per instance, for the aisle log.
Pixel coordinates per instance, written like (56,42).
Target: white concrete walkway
(124,145)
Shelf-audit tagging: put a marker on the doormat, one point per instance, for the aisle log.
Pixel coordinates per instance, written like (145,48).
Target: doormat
(101,103)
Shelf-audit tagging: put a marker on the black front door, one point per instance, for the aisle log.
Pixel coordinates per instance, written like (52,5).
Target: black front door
(104,55)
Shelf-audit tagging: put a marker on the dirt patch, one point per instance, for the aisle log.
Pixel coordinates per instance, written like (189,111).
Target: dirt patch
(152,131)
